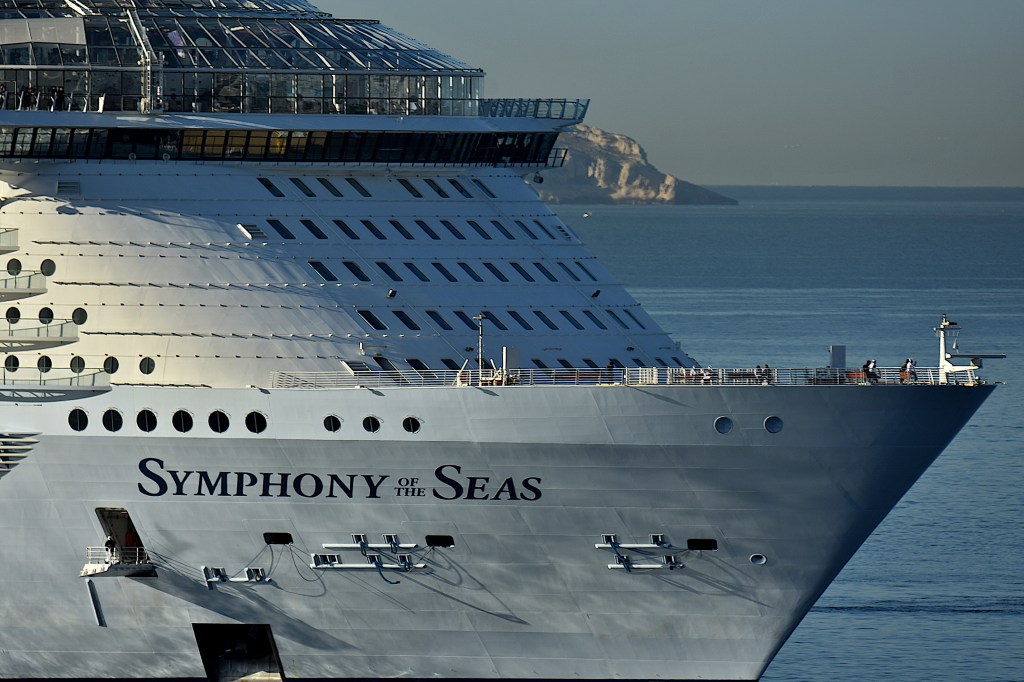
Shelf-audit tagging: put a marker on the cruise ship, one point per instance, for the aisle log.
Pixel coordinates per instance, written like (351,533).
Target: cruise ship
(301,380)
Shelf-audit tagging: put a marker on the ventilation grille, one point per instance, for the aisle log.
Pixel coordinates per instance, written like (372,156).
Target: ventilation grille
(14,447)
(68,187)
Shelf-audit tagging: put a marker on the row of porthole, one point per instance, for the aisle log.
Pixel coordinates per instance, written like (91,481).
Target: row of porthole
(771,424)
(218,421)
(110,364)
(78,315)
(47,267)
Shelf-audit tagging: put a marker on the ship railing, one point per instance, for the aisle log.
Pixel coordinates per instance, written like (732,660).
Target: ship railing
(621,376)
(24,281)
(56,329)
(563,109)
(32,377)
(118,555)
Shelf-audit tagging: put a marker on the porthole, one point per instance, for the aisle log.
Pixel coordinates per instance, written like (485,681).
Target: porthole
(147,365)
(78,420)
(13,315)
(146,420)
(181,421)
(218,421)
(110,365)
(332,423)
(411,424)
(11,363)
(773,424)
(256,422)
(371,424)
(14,267)
(46,316)
(79,316)
(78,364)
(44,363)
(758,559)
(47,267)
(723,425)
(112,420)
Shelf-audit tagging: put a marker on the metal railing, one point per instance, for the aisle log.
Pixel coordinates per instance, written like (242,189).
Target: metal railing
(118,555)
(31,377)
(628,376)
(28,280)
(64,329)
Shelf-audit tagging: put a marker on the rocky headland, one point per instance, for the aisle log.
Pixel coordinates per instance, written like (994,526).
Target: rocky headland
(609,168)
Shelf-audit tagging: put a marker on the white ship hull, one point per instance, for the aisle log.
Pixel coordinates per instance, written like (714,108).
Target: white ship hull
(523,593)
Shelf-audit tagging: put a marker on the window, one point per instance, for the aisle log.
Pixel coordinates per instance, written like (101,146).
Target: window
(436,187)
(631,316)
(618,320)
(520,320)
(401,229)
(480,183)
(77,364)
(314,229)
(332,423)
(572,275)
(256,422)
(449,363)
(444,272)
(271,187)
(404,318)
(545,319)
(11,363)
(417,364)
(371,424)
(323,271)
(496,272)
(411,424)
(471,272)
(389,271)
(356,270)
(501,228)
(440,321)
(493,319)
(479,230)
(147,365)
(368,224)
(572,320)
(565,363)
(358,186)
(544,271)
(595,319)
(527,231)
(372,320)
(544,229)
(590,363)
(303,187)
(585,271)
(466,319)
(459,188)
(218,421)
(79,316)
(411,267)
(427,230)
(522,271)
(281,229)
(454,230)
(110,365)
(78,420)
(346,230)
(181,421)
(44,364)
(539,363)
(410,188)
(329,186)
(146,420)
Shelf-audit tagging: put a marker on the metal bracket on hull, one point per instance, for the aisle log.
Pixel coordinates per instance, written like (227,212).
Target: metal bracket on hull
(252,575)
(399,558)
(647,549)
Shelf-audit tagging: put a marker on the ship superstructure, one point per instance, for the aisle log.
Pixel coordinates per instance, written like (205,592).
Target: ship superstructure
(301,378)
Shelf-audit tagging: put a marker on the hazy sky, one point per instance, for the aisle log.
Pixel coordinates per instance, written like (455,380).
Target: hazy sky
(792,92)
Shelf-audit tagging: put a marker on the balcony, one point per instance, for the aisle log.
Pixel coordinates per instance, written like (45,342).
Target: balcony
(22,286)
(19,336)
(8,240)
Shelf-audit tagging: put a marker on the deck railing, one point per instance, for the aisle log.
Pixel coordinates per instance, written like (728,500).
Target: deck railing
(118,555)
(628,376)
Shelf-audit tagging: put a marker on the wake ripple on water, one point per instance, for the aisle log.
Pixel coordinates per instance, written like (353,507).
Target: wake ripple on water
(954,605)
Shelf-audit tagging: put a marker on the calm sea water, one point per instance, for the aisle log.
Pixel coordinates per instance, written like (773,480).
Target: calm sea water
(937,593)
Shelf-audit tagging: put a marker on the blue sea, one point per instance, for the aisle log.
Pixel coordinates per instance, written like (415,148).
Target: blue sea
(937,593)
